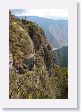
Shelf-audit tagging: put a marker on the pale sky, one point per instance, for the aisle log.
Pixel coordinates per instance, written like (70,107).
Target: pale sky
(47,13)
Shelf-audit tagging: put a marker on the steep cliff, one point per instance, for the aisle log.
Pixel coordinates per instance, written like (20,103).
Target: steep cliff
(32,73)
(28,45)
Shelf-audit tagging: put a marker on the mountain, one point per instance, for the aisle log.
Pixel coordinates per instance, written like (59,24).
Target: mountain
(56,31)
(32,73)
(61,56)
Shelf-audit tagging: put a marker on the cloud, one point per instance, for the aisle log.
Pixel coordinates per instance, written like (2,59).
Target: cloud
(49,13)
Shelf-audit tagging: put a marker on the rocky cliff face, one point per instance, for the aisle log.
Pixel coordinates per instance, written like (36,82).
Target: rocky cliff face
(28,45)
(32,73)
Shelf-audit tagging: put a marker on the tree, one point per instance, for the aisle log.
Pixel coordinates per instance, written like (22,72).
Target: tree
(24,20)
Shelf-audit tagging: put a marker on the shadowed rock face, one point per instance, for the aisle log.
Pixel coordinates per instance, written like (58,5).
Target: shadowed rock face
(41,46)
(29,63)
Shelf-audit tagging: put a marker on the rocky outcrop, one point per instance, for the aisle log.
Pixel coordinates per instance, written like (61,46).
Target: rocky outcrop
(10,61)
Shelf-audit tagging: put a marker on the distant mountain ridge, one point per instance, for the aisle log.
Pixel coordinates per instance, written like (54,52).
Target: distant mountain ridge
(56,31)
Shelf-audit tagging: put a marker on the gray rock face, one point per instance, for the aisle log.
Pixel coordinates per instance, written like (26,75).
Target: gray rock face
(10,61)
(29,63)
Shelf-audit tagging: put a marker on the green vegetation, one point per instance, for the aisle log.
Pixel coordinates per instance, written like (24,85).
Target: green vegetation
(37,85)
